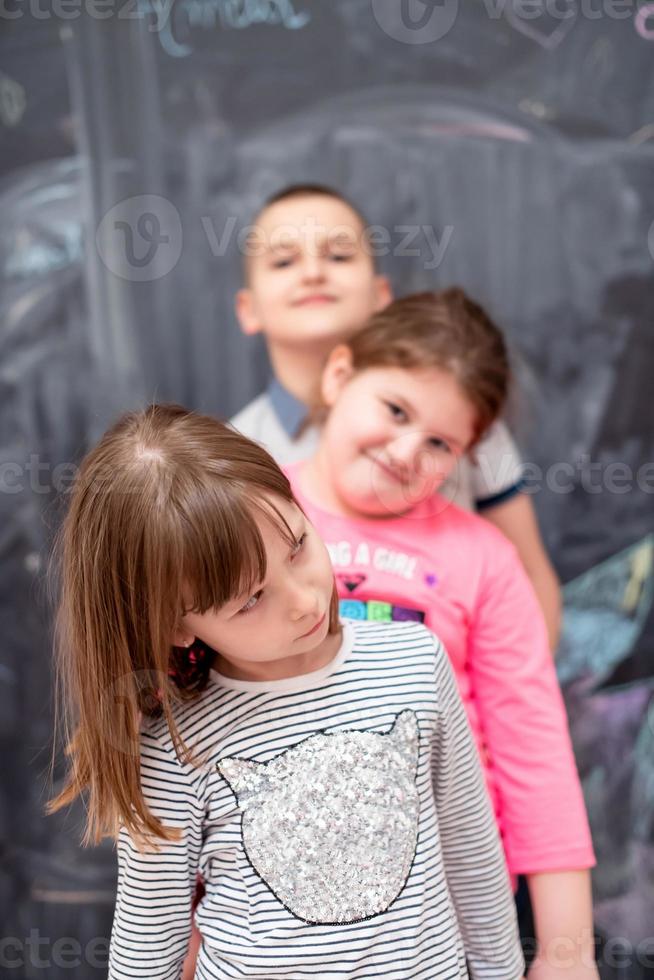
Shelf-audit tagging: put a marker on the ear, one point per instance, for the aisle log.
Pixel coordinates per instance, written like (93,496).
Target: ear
(246,313)
(336,374)
(182,637)
(384,293)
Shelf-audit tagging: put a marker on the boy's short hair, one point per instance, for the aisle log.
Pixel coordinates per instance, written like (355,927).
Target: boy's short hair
(292,191)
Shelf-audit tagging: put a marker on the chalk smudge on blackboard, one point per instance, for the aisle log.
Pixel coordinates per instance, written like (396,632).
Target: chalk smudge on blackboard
(13,101)
(175,20)
(604,613)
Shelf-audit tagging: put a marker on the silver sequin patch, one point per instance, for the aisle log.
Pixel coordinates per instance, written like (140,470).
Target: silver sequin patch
(331,825)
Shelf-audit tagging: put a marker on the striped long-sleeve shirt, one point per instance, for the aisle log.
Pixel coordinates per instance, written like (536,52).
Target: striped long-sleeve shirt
(339,820)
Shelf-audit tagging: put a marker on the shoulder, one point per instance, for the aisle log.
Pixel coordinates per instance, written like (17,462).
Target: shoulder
(486,568)
(199,715)
(409,650)
(251,414)
(447,518)
(259,421)
(498,439)
(496,466)
(394,636)
(466,539)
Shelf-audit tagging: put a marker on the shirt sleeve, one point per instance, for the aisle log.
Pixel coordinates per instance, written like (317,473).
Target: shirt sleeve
(152,920)
(474,861)
(523,723)
(495,468)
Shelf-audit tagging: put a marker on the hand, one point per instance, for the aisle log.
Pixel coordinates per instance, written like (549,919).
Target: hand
(563,970)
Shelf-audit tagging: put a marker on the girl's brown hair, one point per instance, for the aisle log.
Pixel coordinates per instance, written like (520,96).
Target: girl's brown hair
(443,329)
(163,506)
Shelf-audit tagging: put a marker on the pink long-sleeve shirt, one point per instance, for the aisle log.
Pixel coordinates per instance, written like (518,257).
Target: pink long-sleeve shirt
(460,576)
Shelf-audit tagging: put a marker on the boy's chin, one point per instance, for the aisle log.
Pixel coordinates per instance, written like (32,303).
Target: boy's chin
(318,324)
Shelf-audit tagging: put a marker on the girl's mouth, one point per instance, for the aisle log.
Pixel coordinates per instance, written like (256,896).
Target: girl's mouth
(315,628)
(397,476)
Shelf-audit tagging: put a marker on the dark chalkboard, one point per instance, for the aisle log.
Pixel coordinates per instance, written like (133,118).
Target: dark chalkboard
(517,149)
(35,114)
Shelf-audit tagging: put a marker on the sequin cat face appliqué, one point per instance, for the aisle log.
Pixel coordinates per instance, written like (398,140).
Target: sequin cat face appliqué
(331,824)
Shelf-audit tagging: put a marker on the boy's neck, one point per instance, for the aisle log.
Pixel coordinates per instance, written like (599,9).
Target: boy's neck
(300,371)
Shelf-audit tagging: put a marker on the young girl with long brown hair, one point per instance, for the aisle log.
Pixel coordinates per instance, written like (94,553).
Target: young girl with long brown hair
(408,396)
(322,779)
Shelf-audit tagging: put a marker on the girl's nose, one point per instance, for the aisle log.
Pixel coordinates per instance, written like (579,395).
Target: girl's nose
(303,602)
(404,451)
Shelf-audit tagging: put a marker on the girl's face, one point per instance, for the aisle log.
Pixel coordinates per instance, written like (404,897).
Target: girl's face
(281,628)
(393,435)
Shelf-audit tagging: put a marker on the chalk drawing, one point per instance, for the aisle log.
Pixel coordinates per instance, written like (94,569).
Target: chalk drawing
(547,27)
(175,21)
(604,612)
(13,101)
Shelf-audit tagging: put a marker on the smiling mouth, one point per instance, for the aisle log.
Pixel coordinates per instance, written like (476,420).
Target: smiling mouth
(318,299)
(315,628)
(395,475)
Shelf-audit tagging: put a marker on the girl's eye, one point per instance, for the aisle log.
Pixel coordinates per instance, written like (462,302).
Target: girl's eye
(252,602)
(436,443)
(341,256)
(398,413)
(299,544)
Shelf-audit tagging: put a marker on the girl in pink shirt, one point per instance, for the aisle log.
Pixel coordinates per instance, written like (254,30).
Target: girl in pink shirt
(407,398)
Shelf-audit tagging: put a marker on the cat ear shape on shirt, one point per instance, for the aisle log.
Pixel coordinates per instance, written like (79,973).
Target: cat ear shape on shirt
(405,736)
(246,777)
(242,774)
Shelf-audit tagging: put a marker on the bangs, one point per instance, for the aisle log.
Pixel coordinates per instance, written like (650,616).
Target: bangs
(223,554)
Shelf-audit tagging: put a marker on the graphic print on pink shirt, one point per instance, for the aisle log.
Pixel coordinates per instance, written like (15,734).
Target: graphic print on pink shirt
(353,584)
(390,582)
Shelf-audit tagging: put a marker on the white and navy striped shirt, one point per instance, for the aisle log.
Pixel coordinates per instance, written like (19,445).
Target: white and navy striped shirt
(408,877)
